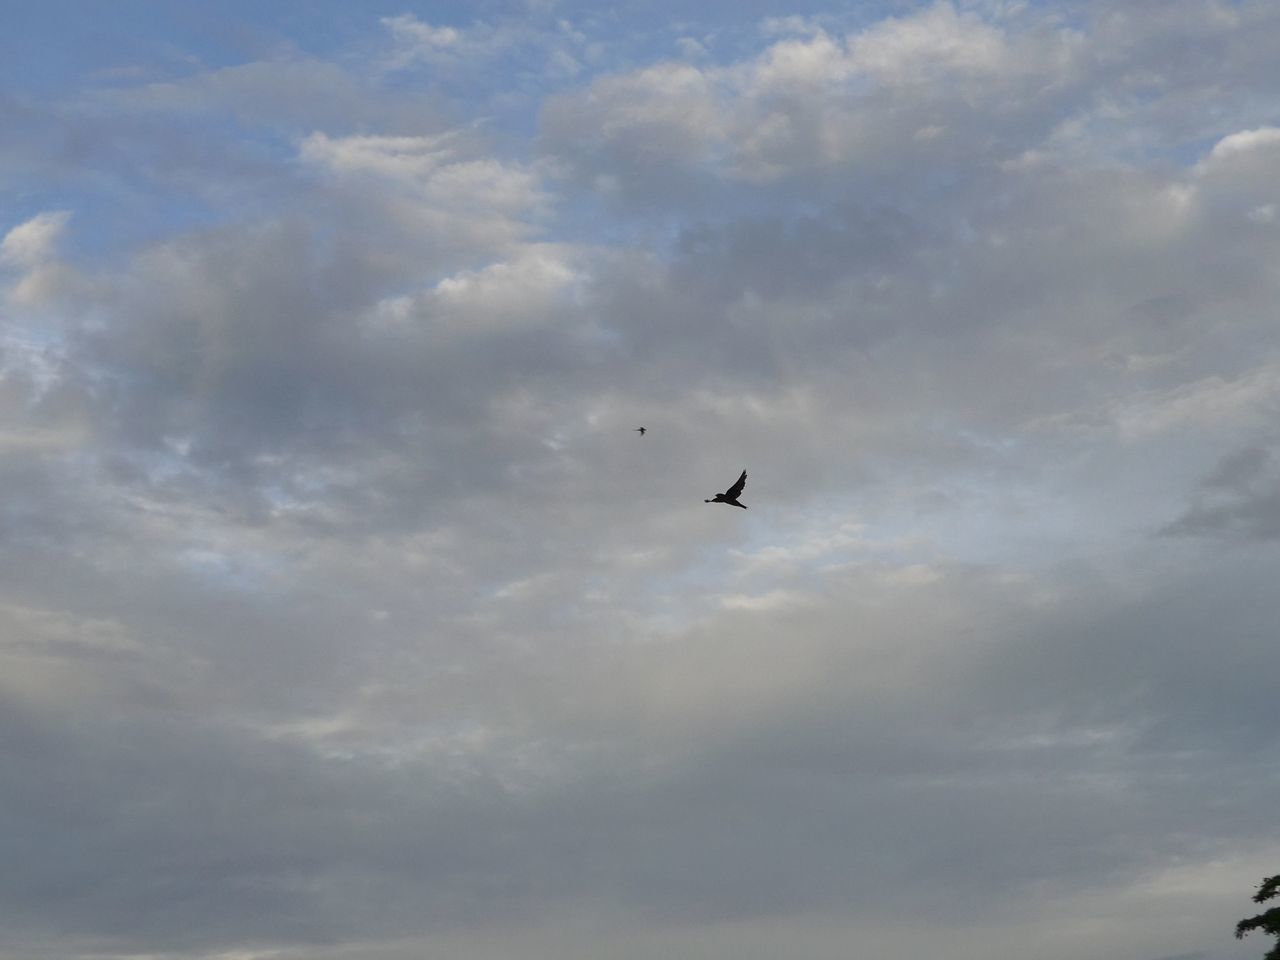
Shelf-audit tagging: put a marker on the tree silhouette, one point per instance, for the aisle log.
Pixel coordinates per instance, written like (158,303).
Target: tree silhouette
(1269,921)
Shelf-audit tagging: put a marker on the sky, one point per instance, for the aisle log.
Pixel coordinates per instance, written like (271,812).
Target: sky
(344,614)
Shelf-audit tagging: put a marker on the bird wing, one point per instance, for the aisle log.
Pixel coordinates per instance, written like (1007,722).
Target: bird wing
(736,489)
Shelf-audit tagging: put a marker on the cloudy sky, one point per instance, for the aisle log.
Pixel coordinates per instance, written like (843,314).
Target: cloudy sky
(344,616)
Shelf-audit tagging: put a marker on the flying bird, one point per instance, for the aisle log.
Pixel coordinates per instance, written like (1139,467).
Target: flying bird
(731,495)
(640,430)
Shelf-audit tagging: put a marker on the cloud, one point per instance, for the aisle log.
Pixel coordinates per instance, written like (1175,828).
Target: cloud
(289,96)
(30,244)
(417,41)
(937,38)
(1240,499)
(1209,403)
(657,780)
(30,250)
(344,613)
(819,103)
(432,167)
(545,49)
(1244,142)
(980,85)
(422,36)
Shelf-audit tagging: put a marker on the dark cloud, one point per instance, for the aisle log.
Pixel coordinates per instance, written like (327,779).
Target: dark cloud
(1239,500)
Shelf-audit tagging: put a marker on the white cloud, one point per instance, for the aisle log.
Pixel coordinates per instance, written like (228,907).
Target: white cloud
(30,249)
(415,41)
(1213,403)
(436,167)
(526,287)
(451,203)
(1246,141)
(935,42)
(423,37)
(817,101)
(1263,213)
(408,158)
(761,602)
(468,53)
(34,242)
(816,64)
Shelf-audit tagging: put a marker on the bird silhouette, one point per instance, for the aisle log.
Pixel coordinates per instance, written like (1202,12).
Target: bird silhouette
(731,495)
(640,430)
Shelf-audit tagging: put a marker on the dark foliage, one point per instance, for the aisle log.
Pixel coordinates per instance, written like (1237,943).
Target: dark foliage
(1269,921)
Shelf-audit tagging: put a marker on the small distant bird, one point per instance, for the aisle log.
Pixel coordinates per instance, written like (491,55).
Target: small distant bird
(640,430)
(731,495)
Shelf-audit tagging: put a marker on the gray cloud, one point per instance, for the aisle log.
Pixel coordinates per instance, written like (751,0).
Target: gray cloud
(1239,499)
(343,613)
(289,95)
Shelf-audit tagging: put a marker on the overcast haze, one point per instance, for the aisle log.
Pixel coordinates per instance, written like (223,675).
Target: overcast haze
(344,614)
